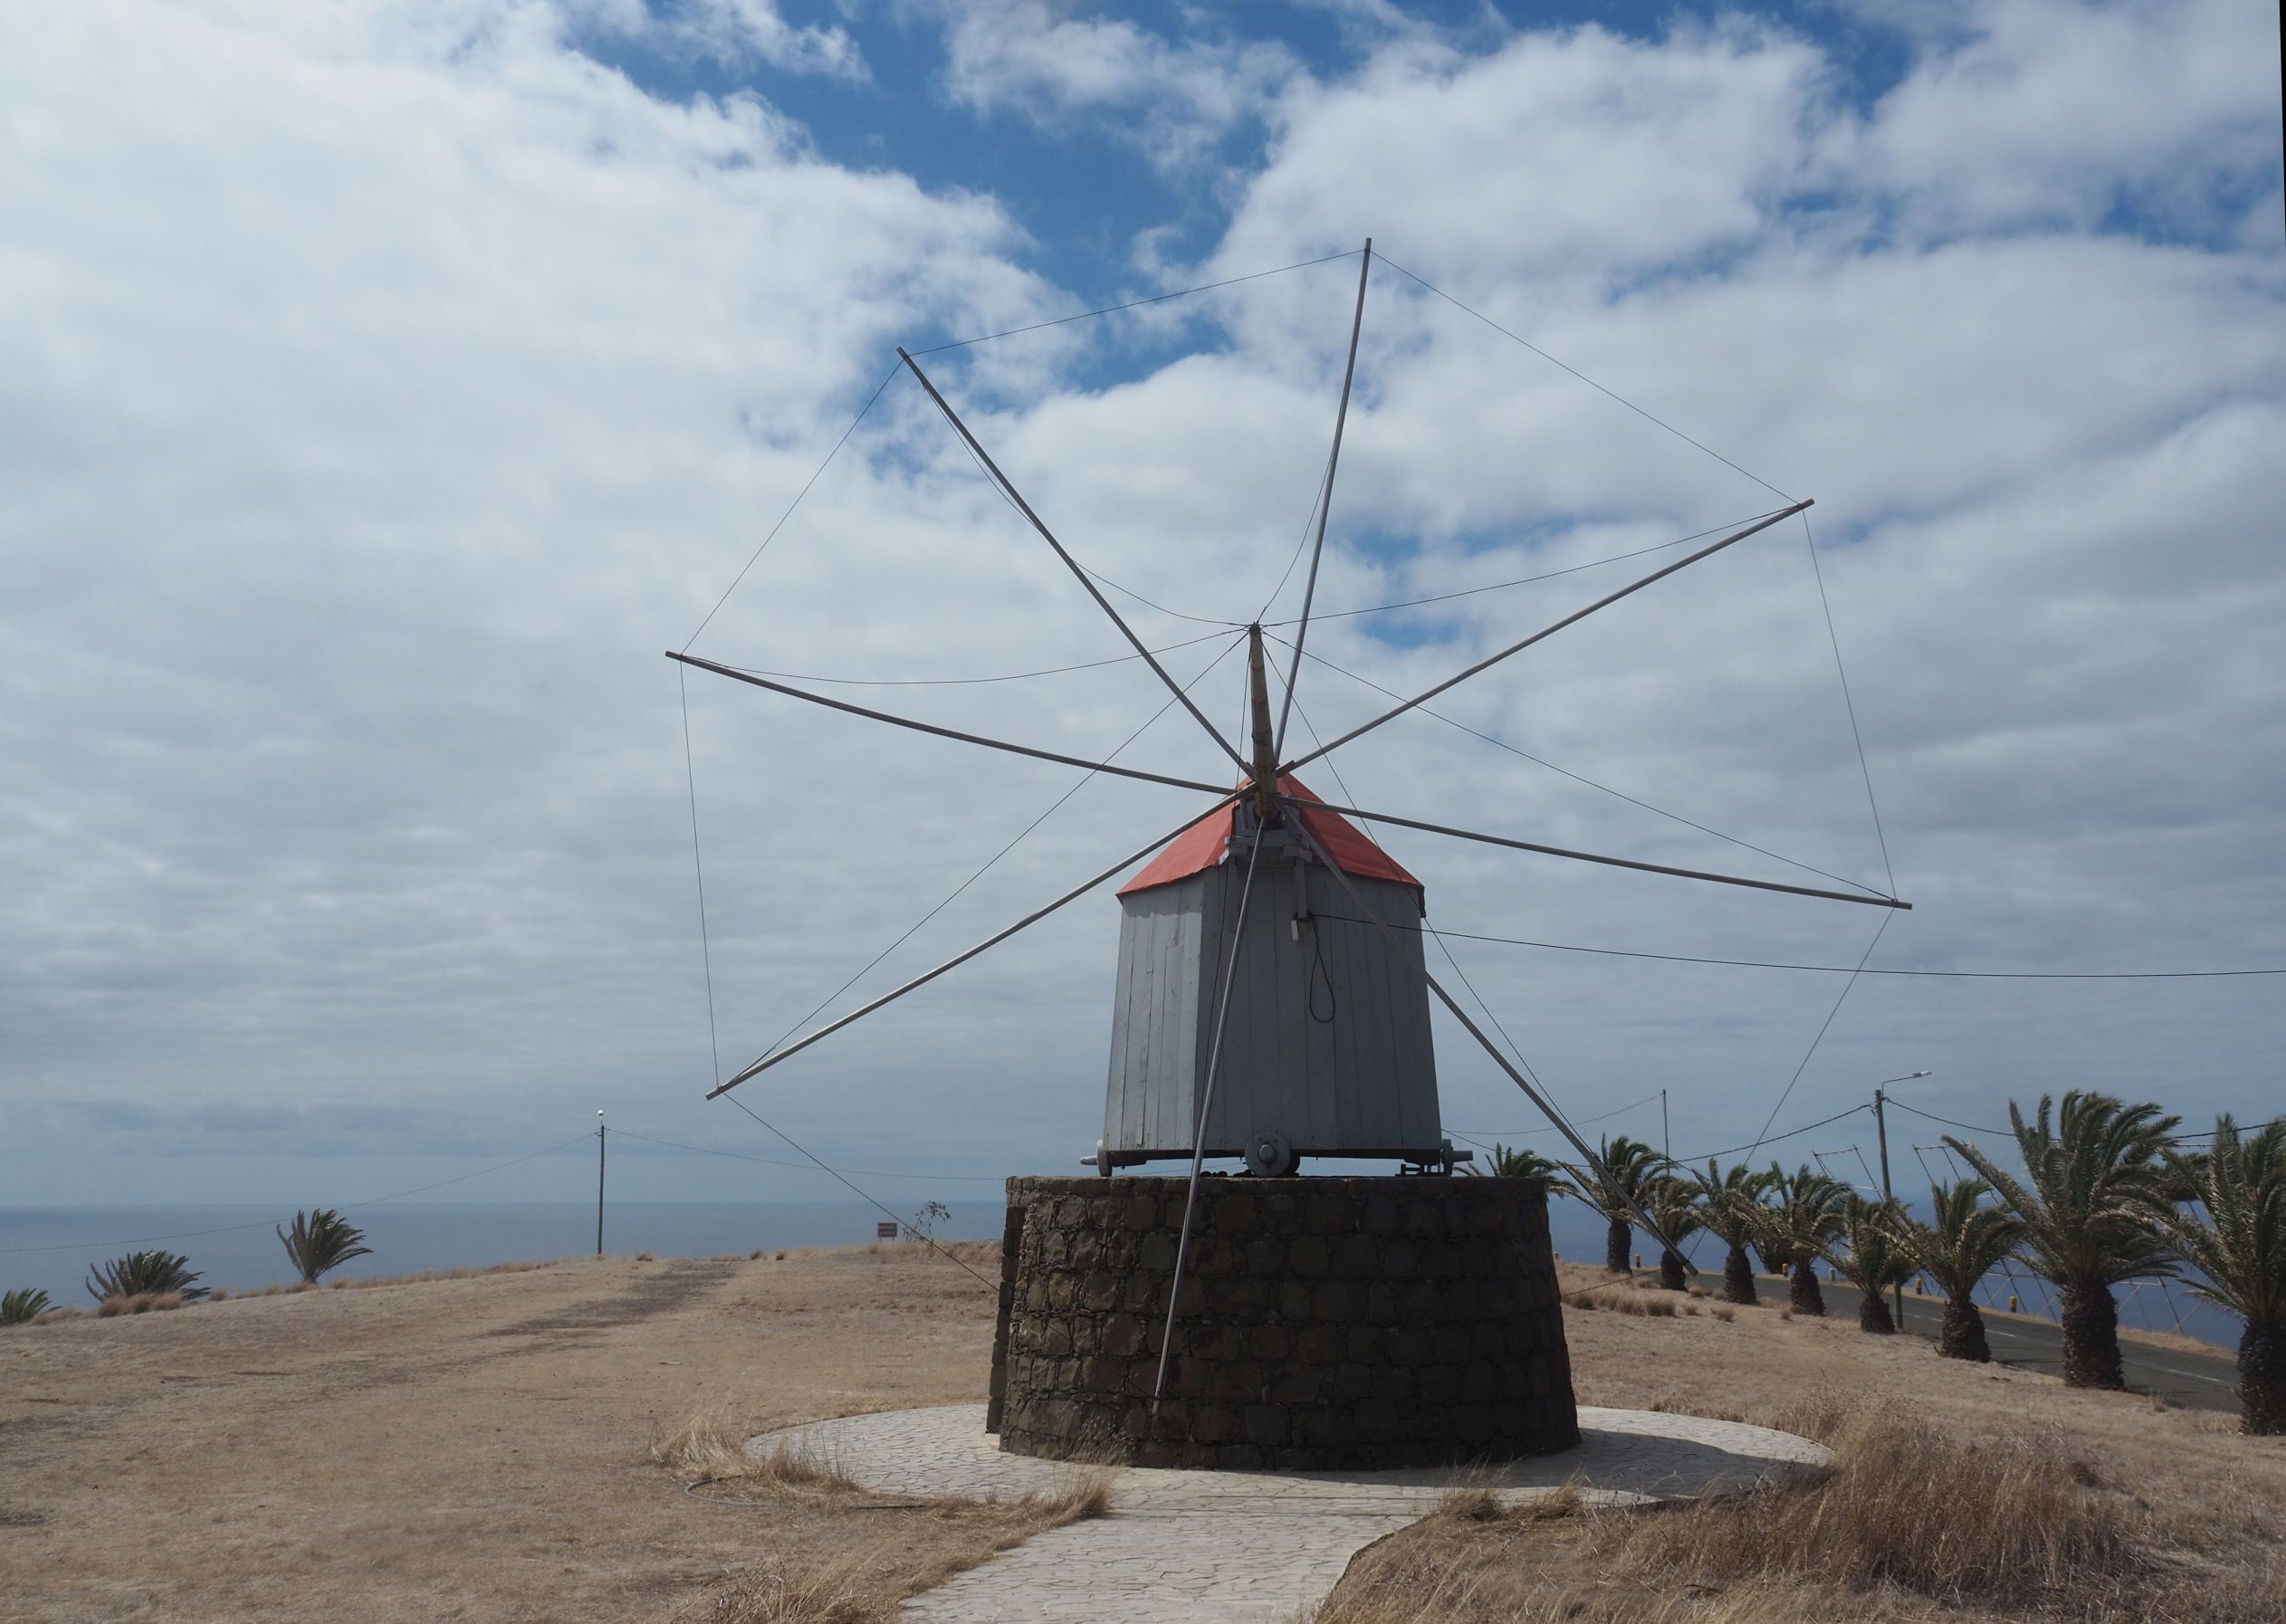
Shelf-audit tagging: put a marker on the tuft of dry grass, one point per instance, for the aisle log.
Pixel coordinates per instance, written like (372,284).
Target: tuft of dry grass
(1911,1522)
(1621,1300)
(2006,1519)
(147,1302)
(710,1449)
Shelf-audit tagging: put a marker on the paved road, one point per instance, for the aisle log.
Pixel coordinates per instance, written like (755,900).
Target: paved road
(2194,1380)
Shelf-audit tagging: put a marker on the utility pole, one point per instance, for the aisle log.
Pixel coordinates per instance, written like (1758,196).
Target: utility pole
(598,1183)
(1882,1128)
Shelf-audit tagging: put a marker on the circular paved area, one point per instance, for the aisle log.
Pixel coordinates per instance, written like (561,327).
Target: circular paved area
(1190,1545)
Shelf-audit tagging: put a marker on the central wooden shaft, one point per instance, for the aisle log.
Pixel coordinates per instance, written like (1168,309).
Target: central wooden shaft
(1266,762)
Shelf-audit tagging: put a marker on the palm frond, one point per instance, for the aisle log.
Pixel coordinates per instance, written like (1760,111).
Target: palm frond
(2236,1235)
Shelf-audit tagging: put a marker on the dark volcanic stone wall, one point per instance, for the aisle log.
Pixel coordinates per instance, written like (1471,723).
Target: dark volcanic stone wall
(1324,1322)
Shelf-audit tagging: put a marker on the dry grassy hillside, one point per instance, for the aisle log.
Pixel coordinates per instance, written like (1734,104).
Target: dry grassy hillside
(484,1448)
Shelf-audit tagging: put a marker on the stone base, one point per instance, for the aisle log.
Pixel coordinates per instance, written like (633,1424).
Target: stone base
(1325,1324)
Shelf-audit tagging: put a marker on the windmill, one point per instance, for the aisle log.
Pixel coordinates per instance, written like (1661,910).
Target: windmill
(1219,1049)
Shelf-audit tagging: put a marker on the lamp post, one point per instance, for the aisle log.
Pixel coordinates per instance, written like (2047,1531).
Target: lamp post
(1882,1128)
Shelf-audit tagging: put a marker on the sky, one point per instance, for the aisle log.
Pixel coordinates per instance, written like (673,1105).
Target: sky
(384,388)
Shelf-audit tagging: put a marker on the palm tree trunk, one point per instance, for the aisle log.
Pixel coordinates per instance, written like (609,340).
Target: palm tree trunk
(1804,1294)
(1673,1273)
(2091,1338)
(1962,1335)
(2261,1376)
(1738,1277)
(1615,1240)
(1873,1313)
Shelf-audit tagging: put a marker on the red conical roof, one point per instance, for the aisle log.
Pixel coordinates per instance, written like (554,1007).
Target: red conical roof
(1202,845)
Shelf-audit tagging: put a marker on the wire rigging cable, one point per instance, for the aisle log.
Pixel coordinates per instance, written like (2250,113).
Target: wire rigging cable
(895,1217)
(1053,807)
(878,390)
(1824,1027)
(1522,580)
(1846,970)
(1583,377)
(1564,1122)
(1582,778)
(1849,705)
(1013,677)
(1134,305)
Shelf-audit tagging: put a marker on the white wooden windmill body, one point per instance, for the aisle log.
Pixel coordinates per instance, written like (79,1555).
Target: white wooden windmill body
(1326,1051)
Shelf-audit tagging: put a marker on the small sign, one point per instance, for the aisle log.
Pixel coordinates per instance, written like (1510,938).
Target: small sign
(886,1229)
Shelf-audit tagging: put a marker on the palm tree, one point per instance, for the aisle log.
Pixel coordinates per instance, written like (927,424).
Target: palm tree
(1725,1200)
(2094,1186)
(1967,1241)
(1522,1163)
(141,1273)
(322,1240)
(1807,1210)
(1615,1187)
(1672,1201)
(2240,1247)
(1870,1257)
(26,1303)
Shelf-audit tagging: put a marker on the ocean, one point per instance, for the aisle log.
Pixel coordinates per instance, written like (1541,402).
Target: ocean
(237,1247)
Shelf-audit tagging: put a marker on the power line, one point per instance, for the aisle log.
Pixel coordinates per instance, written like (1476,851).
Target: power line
(2172,1139)
(1132,304)
(862,1172)
(1772,1138)
(1585,1122)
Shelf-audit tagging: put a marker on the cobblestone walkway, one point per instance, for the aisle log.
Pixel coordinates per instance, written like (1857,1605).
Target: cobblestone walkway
(1181,1546)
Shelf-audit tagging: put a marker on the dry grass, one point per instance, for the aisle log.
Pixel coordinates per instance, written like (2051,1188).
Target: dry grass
(146,1302)
(1619,1299)
(1912,1522)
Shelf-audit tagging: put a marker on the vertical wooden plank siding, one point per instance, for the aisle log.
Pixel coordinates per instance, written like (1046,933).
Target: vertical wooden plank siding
(1367,1079)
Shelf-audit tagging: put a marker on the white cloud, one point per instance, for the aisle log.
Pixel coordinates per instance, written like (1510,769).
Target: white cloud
(1177,97)
(2047,111)
(380,390)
